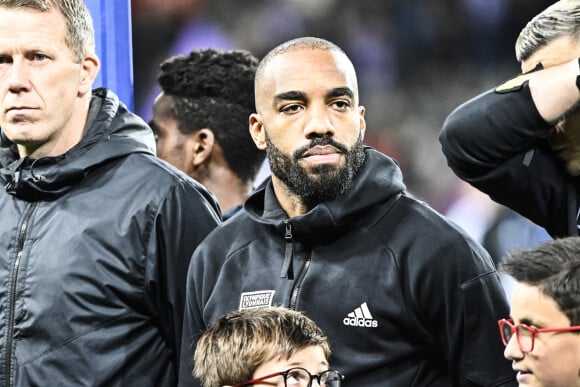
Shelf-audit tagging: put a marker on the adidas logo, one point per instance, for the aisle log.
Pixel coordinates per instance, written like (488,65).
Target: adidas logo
(361,317)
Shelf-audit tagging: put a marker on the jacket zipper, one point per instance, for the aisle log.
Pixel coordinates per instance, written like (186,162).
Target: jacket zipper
(12,304)
(298,283)
(287,268)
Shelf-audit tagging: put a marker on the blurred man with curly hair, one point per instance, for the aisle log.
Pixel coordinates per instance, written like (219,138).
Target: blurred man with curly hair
(201,121)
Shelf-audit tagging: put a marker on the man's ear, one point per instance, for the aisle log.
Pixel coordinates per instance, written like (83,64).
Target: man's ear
(363,123)
(89,70)
(257,131)
(201,144)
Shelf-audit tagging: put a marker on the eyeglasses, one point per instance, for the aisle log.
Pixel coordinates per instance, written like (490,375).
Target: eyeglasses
(525,334)
(300,377)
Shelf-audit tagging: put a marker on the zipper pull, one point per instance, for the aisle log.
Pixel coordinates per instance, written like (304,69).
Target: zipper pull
(12,185)
(287,271)
(13,179)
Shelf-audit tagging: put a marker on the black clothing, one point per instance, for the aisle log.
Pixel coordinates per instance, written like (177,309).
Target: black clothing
(94,247)
(496,142)
(405,297)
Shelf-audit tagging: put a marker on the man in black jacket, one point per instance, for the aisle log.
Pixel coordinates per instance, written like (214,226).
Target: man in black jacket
(96,232)
(520,142)
(406,298)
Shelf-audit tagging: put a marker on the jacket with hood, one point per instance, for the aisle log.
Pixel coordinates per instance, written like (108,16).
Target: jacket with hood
(94,247)
(405,297)
(497,143)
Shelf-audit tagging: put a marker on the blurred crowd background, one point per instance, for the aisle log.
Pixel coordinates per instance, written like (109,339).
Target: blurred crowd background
(416,60)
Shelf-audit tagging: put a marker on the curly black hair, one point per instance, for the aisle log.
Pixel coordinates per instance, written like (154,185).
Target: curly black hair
(214,89)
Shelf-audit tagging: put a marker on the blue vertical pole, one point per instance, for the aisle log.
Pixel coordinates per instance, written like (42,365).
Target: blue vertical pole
(112,21)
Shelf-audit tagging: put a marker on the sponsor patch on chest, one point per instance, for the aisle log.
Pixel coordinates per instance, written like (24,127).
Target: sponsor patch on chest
(257,299)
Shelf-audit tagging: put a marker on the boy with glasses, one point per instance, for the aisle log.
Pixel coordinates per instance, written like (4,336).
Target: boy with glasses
(272,345)
(542,337)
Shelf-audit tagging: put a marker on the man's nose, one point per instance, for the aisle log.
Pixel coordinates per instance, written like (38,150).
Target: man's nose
(18,76)
(319,122)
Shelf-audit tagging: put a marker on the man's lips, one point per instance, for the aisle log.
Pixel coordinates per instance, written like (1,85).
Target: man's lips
(320,150)
(19,109)
(322,154)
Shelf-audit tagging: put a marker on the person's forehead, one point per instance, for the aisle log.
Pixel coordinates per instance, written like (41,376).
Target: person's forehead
(558,51)
(305,54)
(24,30)
(312,358)
(531,304)
(163,104)
(305,66)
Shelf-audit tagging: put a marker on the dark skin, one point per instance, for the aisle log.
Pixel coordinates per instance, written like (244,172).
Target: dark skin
(304,94)
(197,154)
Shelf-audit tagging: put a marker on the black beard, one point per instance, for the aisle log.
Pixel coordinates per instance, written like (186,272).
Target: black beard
(325,182)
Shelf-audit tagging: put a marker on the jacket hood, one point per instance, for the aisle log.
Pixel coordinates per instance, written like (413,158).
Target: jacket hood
(377,181)
(111,131)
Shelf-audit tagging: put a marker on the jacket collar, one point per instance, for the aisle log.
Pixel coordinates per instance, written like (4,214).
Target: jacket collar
(378,180)
(111,131)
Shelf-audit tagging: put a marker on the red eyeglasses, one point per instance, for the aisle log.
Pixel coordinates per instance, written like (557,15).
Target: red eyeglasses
(526,334)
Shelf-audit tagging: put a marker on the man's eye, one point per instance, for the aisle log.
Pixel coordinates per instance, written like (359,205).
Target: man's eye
(39,57)
(290,108)
(341,104)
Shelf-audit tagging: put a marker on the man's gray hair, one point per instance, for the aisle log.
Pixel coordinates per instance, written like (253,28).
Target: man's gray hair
(558,20)
(80,33)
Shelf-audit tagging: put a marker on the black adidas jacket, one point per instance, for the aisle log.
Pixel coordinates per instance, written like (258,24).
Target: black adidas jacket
(406,298)
(94,247)
(496,142)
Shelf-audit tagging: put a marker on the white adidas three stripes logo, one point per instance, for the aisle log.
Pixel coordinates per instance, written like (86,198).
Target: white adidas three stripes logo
(361,317)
